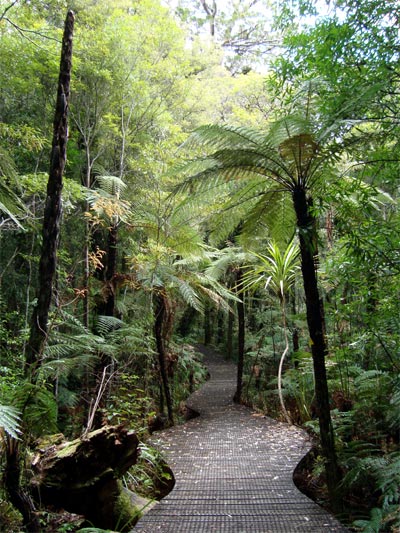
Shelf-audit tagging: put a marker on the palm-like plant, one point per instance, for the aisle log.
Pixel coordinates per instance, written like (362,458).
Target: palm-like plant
(290,161)
(276,271)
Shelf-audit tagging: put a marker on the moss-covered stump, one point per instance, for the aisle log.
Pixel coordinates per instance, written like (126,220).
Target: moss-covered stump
(81,476)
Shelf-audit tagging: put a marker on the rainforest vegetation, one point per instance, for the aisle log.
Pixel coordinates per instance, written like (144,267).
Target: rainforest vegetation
(199,172)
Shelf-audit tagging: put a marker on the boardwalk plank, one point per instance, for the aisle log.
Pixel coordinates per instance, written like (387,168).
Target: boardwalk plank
(233,469)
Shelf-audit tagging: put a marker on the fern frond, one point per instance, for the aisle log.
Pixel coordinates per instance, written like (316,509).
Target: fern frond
(106,324)
(190,296)
(112,185)
(231,256)
(220,136)
(38,408)
(10,421)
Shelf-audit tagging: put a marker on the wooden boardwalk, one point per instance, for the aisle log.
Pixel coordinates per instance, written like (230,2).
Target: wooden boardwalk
(233,469)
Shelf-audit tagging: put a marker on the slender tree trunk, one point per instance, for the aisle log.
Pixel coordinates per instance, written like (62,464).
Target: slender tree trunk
(229,340)
(186,321)
(111,269)
(159,314)
(220,327)
(47,268)
(18,497)
(53,207)
(207,325)
(281,362)
(211,10)
(86,263)
(241,336)
(316,326)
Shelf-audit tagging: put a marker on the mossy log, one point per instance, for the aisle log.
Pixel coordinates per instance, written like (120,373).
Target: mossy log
(82,476)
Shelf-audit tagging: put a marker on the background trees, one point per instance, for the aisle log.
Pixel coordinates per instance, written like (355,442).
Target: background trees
(145,75)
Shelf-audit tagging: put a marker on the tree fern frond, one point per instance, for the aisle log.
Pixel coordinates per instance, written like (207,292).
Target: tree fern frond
(218,289)
(113,185)
(289,127)
(10,204)
(190,296)
(72,323)
(106,324)
(10,420)
(272,215)
(216,298)
(38,407)
(231,256)
(66,366)
(217,137)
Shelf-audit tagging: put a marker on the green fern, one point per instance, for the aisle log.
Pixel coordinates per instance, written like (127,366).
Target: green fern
(38,408)
(107,324)
(189,295)
(113,185)
(373,525)
(10,421)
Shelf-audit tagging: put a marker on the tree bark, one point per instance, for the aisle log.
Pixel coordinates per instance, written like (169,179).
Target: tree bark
(211,11)
(53,207)
(159,314)
(20,499)
(111,269)
(241,336)
(229,340)
(306,224)
(207,324)
(47,267)
(81,476)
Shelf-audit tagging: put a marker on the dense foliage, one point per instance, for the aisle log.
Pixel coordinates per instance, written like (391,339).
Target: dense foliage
(170,238)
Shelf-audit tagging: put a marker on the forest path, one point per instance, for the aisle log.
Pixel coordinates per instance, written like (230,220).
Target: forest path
(233,469)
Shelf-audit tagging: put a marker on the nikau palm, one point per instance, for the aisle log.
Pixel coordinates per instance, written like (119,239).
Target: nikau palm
(263,168)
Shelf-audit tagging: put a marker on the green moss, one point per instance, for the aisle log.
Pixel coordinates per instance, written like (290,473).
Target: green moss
(126,514)
(69,449)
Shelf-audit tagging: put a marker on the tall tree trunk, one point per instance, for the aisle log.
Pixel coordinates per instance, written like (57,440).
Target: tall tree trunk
(207,324)
(86,262)
(186,321)
(211,10)
(316,326)
(159,315)
(241,336)
(111,269)
(47,267)
(220,327)
(53,207)
(18,497)
(229,340)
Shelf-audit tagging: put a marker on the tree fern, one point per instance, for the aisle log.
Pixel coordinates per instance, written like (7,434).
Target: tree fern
(113,185)
(189,295)
(106,324)
(291,159)
(10,421)
(38,408)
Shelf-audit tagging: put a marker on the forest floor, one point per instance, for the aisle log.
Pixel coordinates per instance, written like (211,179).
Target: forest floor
(233,469)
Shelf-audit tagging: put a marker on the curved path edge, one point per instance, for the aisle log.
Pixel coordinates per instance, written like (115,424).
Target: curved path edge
(233,469)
